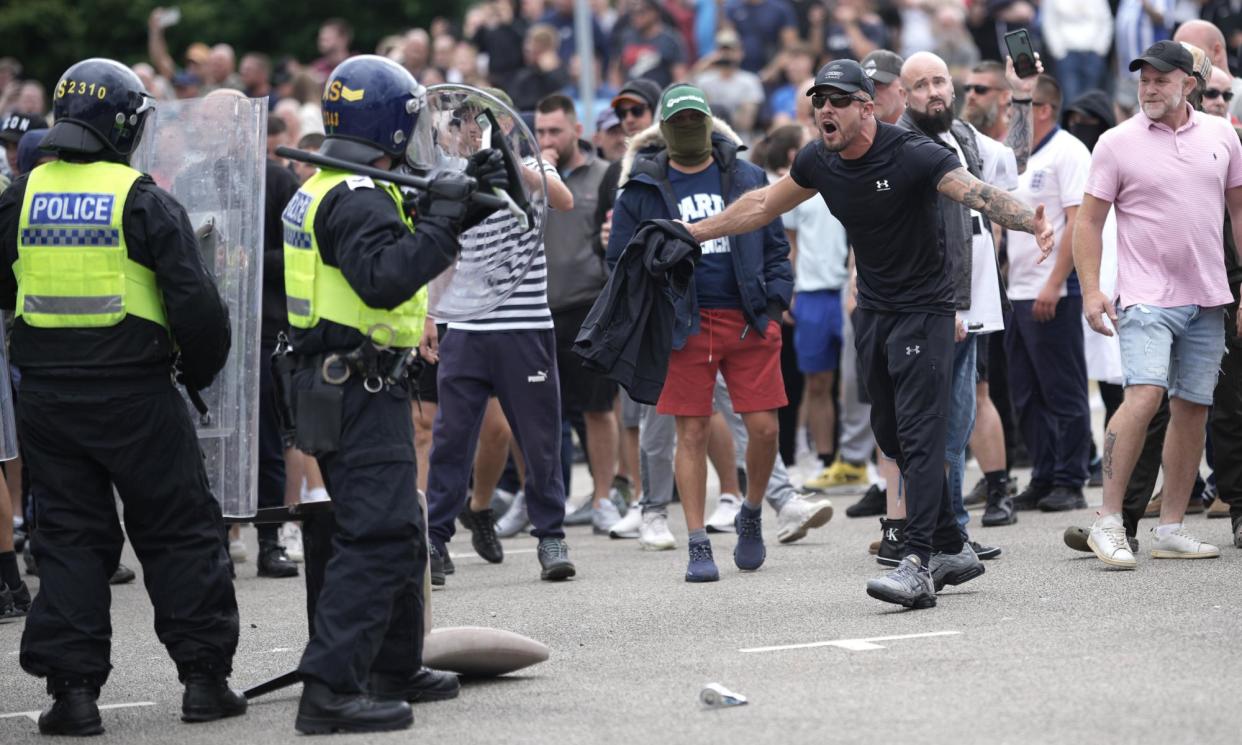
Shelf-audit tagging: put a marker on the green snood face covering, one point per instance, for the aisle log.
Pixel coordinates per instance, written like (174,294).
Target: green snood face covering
(689,144)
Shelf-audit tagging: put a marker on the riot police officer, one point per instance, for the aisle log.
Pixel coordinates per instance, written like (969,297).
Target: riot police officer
(109,290)
(355,263)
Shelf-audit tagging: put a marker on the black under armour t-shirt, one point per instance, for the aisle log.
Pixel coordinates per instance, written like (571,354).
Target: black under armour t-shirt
(888,203)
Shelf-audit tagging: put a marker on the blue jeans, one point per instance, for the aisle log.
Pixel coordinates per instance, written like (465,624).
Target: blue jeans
(1175,348)
(961,424)
(1079,72)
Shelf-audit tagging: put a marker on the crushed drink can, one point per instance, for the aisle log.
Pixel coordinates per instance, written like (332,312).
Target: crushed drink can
(716,696)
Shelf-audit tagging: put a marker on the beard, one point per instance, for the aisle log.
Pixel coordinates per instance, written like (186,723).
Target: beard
(1157,110)
(983,119)
(933,125)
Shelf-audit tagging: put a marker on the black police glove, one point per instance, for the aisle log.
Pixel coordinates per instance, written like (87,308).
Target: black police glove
(488,167)
(447,196)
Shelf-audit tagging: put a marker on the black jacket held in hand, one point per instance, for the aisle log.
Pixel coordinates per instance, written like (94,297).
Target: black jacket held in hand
(158,236)
(628,335)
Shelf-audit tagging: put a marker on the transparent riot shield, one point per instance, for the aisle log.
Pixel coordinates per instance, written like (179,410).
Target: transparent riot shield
(497,254)
(210,153)
(8,412)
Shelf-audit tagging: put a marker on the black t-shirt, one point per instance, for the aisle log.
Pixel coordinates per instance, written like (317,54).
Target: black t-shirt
(888,203)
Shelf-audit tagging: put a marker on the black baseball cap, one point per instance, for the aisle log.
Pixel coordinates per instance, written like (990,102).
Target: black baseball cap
(639,90)
(882,66)
(844,75)
(1166,56)
(13,126)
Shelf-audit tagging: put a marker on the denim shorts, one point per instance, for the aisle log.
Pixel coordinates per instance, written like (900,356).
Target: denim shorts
(1175,348)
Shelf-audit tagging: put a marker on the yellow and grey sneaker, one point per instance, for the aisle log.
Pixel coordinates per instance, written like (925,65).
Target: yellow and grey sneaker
(842,477)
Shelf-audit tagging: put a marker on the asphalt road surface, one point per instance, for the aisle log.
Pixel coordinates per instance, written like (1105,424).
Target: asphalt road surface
(1049,646)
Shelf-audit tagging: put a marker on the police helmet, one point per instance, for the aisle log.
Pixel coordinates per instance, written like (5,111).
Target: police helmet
(372,107)
(99,106)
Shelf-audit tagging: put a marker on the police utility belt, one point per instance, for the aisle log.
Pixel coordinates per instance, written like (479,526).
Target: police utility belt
(377,366)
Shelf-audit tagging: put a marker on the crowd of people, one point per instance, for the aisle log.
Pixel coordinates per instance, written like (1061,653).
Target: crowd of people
(882,251)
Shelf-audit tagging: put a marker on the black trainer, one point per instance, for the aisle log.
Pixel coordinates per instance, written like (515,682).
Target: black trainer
(985,553)
(436,562)
(73,712)
(323,711)
(122,576)
(482,527)
(554,558)
(892,542)
(208,697)
(6,603)
(872,504)
(1063,499)
(274,562)
(1030,497)
(14,601)
(424,685)
(1000,510)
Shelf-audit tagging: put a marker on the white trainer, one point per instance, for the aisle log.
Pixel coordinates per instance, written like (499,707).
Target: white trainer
(629,525)
(1108,541)
(291,539)
(237,551)
(1180,544)
(515,519)
(727,508)
(604,516)
(654,534)
(799,516)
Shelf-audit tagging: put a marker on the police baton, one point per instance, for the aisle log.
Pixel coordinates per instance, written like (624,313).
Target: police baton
(498,201)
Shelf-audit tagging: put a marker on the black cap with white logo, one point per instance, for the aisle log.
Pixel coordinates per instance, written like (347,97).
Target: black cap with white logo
(845,75)
(15,125)
(1166,56)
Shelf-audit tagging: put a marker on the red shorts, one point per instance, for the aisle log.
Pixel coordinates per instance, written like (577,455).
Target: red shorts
(750,363)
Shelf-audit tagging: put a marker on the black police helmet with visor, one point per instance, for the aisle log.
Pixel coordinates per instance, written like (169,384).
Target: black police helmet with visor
(373,107)
(99,108)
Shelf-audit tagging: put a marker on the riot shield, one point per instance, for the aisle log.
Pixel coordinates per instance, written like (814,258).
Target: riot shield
(496,254)
(8,410)
(210,153)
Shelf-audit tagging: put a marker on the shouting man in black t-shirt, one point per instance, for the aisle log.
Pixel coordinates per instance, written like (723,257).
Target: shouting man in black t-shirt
(882,183)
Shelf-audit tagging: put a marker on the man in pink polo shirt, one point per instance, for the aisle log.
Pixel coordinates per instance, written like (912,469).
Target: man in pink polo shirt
(1169,173)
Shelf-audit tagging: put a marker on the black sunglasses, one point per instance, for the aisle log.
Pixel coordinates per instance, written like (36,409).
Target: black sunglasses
(635,111)
(979,90)
(838,100)
(1212,93)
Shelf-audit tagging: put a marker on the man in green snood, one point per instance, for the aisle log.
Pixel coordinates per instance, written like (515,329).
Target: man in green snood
(687,168)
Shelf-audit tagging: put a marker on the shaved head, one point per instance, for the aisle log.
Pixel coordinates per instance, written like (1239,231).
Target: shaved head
(929,92)
(921,64)
(1207,37)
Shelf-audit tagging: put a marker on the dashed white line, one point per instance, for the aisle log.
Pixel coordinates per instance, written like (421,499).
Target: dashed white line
(34,715)
(853,645)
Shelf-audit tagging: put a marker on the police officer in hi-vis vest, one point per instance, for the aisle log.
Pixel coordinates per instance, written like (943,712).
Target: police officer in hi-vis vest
(356,261)
(103,271)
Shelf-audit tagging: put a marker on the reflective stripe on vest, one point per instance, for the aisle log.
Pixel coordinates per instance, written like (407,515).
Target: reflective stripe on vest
(316,291)
(73,268)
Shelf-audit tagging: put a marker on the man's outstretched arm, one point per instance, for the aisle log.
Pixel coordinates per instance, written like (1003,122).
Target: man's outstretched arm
(754,210)
(1000,206)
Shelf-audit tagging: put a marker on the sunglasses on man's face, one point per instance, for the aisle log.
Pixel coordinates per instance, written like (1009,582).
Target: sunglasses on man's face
(979,90)
(635,111)
(838,100)
(1213,94)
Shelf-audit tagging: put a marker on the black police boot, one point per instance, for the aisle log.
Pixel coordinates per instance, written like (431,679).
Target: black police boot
(436,562)
(208,698)
(892,542)
(1031,496)
(482,527)
(274,562)
(1062,499)
(873,503)
(424,685)
(322,711)
(73,711)
(122,576)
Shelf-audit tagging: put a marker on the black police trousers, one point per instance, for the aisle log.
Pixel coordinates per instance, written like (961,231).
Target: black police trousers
(906,361)
(78,440)
(369,614)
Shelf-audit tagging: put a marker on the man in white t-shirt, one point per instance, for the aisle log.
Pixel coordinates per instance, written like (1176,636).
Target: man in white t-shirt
(1051,400)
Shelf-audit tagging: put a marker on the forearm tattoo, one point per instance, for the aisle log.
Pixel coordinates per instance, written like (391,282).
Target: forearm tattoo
(1000,206)
(1020,133)
(1110,439)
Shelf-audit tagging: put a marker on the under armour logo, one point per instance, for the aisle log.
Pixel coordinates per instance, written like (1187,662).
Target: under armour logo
(912,350)
(882,185)
(890,535)
(538,377)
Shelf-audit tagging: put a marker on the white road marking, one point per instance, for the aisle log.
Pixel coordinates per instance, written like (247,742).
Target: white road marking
(508,552)
(853,645)
(34,715)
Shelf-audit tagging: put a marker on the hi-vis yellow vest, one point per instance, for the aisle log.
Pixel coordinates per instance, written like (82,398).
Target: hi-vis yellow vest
(317,291)
(73,268)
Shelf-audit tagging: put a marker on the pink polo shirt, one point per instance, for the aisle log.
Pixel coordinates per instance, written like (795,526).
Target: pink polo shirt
(1168,190)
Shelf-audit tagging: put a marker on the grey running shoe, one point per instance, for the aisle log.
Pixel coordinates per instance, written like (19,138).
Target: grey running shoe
(554,559)
(581,515)
(955,569)
(909,585)
(515,519)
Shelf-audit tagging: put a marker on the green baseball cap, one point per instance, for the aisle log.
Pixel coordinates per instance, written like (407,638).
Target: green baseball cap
(683,98)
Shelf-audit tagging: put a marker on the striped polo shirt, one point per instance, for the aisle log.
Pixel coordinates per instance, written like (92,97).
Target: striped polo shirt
(527,307)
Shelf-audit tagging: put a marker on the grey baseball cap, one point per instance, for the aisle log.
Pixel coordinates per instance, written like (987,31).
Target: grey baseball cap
(882,66)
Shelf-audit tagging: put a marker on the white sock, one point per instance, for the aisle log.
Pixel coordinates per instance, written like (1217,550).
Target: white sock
(1164,531)
(1110,521)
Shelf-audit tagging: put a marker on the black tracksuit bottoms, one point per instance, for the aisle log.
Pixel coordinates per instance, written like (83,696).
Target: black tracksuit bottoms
(907,366)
